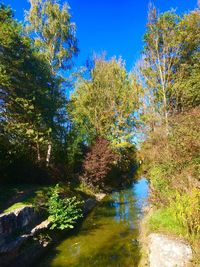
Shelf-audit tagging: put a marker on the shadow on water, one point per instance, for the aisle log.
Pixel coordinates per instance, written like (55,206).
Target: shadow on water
(108,236)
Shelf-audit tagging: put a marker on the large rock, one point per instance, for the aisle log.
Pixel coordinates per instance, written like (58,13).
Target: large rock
(17,229)
(16,220)
(40,227)
(100,196)
(168,252)
(89,205)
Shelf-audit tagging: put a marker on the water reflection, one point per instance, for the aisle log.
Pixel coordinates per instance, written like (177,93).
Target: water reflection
(124,201)
(108,237)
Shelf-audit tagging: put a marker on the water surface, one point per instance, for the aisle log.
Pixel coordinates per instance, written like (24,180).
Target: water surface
(108,236)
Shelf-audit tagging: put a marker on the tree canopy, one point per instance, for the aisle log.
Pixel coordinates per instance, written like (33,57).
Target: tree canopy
(104,104)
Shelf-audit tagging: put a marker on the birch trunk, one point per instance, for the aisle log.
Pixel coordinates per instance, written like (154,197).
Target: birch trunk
(49,148)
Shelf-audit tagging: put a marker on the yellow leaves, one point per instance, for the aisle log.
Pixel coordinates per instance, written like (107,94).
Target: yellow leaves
(106,102)
(186,209)
(29,132)
(54,34)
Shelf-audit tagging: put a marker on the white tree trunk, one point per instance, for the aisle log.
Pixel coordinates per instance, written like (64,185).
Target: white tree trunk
(48,154)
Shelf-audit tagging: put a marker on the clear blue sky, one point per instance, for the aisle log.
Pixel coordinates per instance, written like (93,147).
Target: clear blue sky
(114,26)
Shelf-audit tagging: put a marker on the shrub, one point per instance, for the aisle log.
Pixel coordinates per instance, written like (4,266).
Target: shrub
(186,209)
(173,161)
(181,217)
(63,213)
(160,185)
(173,164)
(98,164)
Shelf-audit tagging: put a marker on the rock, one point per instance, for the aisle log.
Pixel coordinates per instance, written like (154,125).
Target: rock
(17,228)
(168,252)
(7,223)
(42,226)
(100,196)
(15,220)
(89,205)
(25,216)
(13,245)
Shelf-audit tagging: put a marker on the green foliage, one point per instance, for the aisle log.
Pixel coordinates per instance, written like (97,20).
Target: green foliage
(63,212)
(32,114)
(163,220)
(169,69)
(49,25)
(181,217)
(186,84)
(186,209)
(25,87)
(173,161)
(104,104)
(173,169)
(54,33)
(160,185)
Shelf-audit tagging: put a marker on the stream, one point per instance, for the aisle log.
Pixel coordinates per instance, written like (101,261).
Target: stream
(108,236)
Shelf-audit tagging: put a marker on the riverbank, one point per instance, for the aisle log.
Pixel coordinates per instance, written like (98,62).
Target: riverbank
(24,229)
(172,165)
(108,236)
(161,247)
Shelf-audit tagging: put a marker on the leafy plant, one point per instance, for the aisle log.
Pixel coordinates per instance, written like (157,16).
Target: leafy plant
(186,209)
(98,163)
(104,104)
(63,212)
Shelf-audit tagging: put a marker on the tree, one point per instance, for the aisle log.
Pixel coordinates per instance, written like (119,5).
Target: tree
(49,23)
(98,163)
(169,68)
(26,82)
(187,80)
(54,33)
(104,104)
(160,57)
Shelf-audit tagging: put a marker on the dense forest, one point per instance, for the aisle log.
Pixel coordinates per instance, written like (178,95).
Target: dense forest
(96,126)
(43,132)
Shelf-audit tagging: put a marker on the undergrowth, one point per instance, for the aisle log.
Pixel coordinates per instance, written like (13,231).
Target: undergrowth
(173,166)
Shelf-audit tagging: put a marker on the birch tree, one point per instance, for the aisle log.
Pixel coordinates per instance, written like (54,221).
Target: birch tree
(49,23)
(160,57)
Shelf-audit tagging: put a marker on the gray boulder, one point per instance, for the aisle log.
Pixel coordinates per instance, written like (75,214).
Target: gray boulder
(168,252)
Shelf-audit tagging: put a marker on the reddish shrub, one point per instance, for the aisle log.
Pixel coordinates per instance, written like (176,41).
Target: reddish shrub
(98,163)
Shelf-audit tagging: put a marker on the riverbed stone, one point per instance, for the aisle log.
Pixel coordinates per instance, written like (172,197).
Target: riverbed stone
(16,220)
(168,252)
(40,227)
(100,196)
(89,205)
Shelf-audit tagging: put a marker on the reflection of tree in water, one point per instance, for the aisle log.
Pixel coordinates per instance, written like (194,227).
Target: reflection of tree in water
(108,236)
(125,209)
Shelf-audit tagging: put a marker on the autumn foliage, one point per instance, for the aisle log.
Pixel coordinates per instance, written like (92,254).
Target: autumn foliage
(98,163)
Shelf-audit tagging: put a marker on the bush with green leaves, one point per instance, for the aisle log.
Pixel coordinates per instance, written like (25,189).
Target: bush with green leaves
(63,212)
(186,209)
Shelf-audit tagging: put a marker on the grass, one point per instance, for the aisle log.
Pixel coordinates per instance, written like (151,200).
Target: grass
(17,196)
(16,206)
(8,194)
(162,220)
(81,188)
